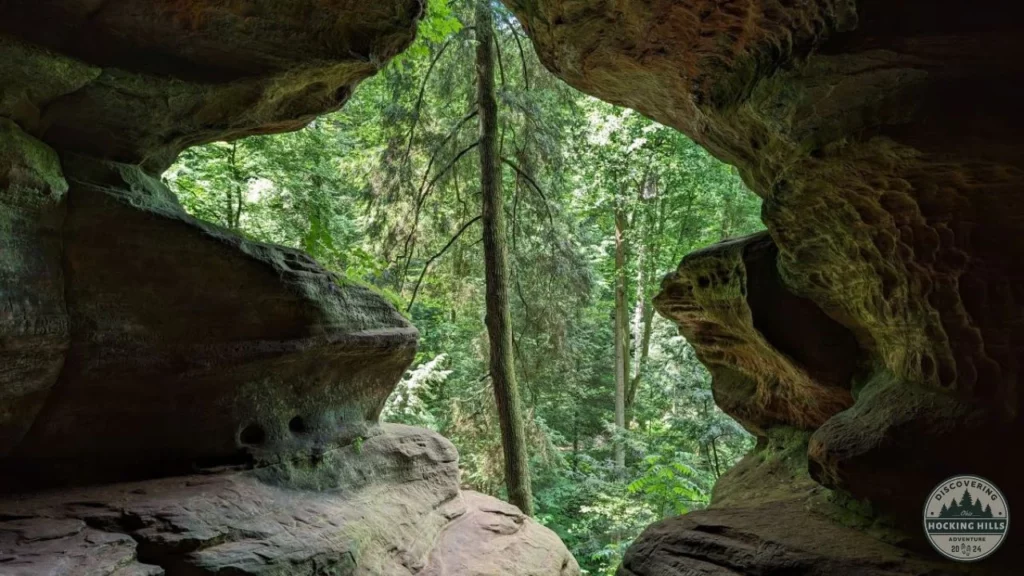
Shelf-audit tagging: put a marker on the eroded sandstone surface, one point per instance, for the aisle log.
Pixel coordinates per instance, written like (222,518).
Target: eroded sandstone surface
(881,313)
(156,77)
(231,388)
(410,519)
(140,341)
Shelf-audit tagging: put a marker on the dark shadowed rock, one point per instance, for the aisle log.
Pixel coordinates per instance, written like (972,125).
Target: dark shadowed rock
(775,538)
(33,318)
(154,77)
(192,345)
(769,518)
(882,144)
(137,342)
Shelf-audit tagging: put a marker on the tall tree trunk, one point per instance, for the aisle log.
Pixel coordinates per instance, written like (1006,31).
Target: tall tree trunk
(229,193)
(621,336)
(645,350)
(499,325)
(648,268)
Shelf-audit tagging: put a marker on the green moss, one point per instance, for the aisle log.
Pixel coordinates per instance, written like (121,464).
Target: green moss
(843,508)
(34,77)
(776,470)
(786,447)
(39,172)
(388,295)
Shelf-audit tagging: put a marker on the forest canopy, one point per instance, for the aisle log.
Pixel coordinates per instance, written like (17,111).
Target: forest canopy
(599,203)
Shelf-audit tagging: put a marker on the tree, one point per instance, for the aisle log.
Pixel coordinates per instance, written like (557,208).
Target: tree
(966,503)
(499,326)
(621,335)
(954,509)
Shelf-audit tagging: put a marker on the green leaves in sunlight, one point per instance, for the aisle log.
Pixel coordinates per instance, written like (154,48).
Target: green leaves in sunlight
(671,484)
(439,22)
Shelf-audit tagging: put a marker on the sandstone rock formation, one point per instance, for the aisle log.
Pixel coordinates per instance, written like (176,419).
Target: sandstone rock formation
(156,77)
(236,384)
(243,348)
(884,142)
(494,537)
(769,517)
(140,341)
(412,519)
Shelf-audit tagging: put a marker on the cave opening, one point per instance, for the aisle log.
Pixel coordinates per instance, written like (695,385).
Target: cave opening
(531,287)
(600,203)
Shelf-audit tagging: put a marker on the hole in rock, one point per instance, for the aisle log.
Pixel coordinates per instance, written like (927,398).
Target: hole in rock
(927,365)
(253,435)
(297,425)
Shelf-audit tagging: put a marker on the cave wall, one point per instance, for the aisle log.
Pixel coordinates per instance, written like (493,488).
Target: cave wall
(142,342)
(174,398)
(883,139)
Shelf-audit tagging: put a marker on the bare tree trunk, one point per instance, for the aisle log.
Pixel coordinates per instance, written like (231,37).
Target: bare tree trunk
(648,268)
(229,193)
(714,451)
(621,336)
(645,350)
(499,326)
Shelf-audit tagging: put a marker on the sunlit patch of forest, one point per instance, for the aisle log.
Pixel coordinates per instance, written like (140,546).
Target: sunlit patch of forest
(599,203)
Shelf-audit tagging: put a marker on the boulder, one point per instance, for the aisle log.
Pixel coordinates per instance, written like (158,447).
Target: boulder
(770,518)
(494,538)
(389,504)
(34,546)
(773,538)
(190,345)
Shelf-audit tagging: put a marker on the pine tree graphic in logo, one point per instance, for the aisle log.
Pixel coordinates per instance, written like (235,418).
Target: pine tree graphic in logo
(968,507)
(970,526)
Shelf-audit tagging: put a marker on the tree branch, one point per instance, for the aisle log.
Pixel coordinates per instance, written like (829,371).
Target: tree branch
(435,257)
(455,130)
(540,192)
(421,197)
(522,54)
(501,64)
(419,99)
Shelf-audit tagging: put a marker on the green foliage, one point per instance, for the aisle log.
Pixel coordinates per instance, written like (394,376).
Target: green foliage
(377,191)
(669,484)
(438,24)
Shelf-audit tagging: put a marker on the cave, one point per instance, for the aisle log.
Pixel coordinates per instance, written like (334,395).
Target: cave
(869,338)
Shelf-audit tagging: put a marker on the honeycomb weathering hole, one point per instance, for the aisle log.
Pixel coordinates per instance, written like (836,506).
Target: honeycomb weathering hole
(253,435)
(297,425)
